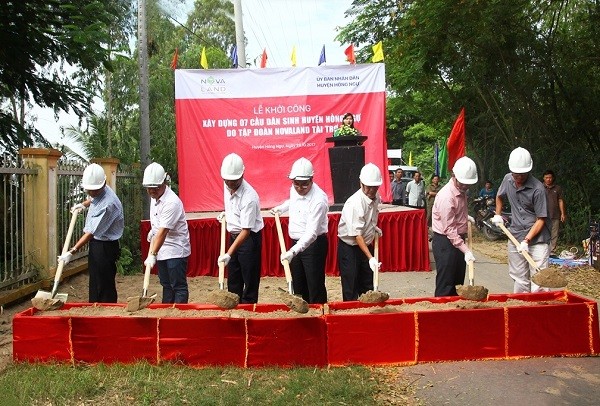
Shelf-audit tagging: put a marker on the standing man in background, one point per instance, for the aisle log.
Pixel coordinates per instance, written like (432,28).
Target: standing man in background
(104,225)
(169,237)
(432,191)
(398,187)
(307,228)
(557,212)
(245,224)
(529,211)
(415,191)
(449,224)
(356,233)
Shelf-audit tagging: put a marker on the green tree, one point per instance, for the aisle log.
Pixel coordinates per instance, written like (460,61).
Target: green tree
(525,71)
(40,40)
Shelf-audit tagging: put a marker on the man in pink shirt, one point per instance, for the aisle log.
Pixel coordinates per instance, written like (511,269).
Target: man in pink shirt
(449,225)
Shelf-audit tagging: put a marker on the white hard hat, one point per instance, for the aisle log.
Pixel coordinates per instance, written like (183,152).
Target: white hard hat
(302,169)
(93,177)
(465,171)
(520,161)
(370,175)
(232,167)
(154,175)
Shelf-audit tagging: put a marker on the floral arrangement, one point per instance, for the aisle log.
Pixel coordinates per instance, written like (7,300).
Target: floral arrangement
(345,131)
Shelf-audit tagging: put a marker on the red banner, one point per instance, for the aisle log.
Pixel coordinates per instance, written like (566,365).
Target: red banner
(271,117)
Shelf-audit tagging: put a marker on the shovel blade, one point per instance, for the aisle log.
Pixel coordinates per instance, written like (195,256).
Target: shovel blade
(44,301)
(136,303)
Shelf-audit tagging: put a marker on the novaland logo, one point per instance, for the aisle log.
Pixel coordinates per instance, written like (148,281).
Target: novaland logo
(213,85)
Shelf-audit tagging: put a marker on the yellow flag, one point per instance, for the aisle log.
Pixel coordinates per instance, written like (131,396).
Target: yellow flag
(294,56)
(410,158)
(203,60)
(377,52)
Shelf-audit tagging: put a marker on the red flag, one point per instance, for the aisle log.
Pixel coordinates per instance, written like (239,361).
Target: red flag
(174,61)
(456,140)
(263,59)
(350,54)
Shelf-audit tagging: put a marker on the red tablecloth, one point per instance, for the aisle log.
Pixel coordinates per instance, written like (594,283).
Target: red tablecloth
(403,246)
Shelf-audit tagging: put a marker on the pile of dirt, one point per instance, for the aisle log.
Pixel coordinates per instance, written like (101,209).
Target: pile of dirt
(550,278)
(112,311)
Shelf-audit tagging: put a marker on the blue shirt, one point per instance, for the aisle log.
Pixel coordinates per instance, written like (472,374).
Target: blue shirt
(105,216)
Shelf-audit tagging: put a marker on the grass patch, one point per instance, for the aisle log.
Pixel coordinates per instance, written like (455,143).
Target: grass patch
(144,384)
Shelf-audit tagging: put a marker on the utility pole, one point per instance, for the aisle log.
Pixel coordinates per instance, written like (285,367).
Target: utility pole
(144,103)
(239,33)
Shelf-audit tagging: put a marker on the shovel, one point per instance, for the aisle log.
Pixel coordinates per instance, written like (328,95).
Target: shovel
(294,302)
(138,303)
(221,297)
(471,292)
(374,296)
(51,300)
(547,277)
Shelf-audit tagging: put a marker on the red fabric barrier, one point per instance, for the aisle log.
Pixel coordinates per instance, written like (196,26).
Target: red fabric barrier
(203,342)
(461,335)
(115,339)
(408,337)
(403,247)
(535,331)
(374,339)
(41,339)
(287,342)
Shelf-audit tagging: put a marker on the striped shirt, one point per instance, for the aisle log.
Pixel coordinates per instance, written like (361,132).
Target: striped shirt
(105,217)
(450,214)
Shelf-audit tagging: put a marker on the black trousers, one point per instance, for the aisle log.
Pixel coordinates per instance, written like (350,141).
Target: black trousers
(308,271)
(102,267)
(450,266)
(243,271)
(355,272)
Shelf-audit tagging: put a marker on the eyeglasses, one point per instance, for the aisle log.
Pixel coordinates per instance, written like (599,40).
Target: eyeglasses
(301,184)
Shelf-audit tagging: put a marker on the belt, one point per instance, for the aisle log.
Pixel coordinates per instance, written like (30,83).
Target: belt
(463,236)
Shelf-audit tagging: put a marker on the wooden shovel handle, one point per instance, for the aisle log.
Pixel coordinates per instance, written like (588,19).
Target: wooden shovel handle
(286,264)
(222,251)
(70,231)
(470,265)
(65,248)
(516,243)
(376,255)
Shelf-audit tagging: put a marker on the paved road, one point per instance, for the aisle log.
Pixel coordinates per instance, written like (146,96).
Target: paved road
(530,382)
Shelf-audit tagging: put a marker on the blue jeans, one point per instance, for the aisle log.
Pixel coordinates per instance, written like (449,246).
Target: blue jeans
(172,275)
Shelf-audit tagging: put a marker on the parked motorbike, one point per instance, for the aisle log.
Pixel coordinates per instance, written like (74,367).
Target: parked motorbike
(483,211)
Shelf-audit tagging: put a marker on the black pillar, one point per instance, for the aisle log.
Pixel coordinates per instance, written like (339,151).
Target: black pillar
(346,159)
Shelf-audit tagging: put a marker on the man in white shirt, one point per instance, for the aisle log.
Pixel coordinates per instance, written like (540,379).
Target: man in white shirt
(415,190)
(307,228)
(245,224)
(169,236)
(356,233)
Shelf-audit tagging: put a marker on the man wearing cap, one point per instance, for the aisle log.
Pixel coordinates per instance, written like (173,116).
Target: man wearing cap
(449,225)
(307,228)
(245,224)
(169,236)
(103,228)
(356,233)
(529,212)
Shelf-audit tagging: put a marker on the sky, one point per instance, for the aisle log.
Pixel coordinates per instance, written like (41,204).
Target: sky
(278,26)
